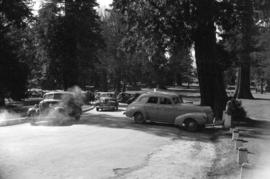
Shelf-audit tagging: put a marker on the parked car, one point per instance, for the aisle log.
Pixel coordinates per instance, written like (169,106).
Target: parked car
(34,93)
(107,103)
(128,96)
(167,107)
(63,102)
(104,94)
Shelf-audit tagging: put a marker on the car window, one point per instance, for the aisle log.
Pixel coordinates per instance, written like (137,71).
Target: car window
(176,100)
(143,99)
(165,101)
(153,100)
(180,99)
(48,96)
(58,96)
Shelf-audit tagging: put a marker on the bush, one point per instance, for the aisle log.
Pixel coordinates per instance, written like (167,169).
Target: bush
(236,110)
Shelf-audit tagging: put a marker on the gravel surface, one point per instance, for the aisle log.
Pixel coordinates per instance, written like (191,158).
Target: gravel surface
(104,145)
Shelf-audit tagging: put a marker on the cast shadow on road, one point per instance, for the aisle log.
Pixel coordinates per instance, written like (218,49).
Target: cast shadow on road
(263,99)
(163,130)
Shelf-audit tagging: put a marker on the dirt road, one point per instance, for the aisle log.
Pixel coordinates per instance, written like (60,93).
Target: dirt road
(104,145)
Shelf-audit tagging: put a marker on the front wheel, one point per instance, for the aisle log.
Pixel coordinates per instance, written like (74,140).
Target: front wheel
(191,125)
(138,118)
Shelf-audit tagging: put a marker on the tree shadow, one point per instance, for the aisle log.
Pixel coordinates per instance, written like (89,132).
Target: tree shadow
(163,130)
(249,122)
(261,99)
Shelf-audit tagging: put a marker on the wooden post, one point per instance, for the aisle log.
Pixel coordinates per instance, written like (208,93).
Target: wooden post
(235,134)
(245,171)
(238,144)
(227,120)
(242,155)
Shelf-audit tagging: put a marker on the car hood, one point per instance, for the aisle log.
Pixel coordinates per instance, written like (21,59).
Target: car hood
(50,101)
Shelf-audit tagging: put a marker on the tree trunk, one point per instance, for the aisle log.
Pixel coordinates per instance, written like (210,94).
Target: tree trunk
(243,82)
(262,82)
(210,75)
(211,82)
(243,85)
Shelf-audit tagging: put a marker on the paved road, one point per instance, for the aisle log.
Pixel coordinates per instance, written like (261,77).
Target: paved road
(103,145)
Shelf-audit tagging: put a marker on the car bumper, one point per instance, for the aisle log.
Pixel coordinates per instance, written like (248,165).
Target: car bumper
(106,107)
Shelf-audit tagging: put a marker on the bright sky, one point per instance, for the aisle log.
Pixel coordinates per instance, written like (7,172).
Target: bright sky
(102,4)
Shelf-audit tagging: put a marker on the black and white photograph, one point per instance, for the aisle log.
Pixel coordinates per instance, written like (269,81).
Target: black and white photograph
(134,89)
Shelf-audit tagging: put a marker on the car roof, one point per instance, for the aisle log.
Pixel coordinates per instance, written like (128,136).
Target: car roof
(104,92)
(160,94)
(58,92)
(133,92)
(107,97)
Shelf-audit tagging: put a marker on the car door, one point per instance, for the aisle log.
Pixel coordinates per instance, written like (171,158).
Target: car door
(151,108)
(166,110)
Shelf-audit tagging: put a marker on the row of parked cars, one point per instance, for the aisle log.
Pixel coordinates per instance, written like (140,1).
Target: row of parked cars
(154,106)
(158,107)
(109,101)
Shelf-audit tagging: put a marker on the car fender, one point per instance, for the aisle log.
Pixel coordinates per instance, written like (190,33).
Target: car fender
(199,117)
(131,112)
(32,111)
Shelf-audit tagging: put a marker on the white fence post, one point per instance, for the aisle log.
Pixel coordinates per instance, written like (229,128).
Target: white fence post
(242,155)
(238,144)
(227,120)
(235,134)
(245,171)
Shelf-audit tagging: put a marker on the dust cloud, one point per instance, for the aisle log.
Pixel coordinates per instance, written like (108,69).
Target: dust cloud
(58,114)
(6,116)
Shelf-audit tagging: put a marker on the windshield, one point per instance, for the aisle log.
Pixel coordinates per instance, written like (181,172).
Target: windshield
(177,99)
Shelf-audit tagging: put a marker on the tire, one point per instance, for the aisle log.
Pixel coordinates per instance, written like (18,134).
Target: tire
(139,118)
(97,109)
(191,125)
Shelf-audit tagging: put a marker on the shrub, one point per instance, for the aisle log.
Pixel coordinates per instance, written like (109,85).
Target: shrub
(236,110)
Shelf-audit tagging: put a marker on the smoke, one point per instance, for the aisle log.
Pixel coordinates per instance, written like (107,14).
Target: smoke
(10,118)
(63,112)
(78,95)
(6,116)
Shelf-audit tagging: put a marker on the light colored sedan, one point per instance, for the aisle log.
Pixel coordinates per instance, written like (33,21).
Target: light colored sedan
(167,107)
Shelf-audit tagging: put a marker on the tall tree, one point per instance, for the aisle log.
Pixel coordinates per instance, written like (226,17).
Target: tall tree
(159,25)
(247,29)
(70,32)
(114,59)
(14,15)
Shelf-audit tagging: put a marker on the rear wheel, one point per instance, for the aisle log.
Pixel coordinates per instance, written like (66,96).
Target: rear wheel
(191,125)
(139,118)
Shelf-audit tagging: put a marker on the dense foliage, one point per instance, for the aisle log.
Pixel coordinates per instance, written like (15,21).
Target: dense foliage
(69,38)
(14,16)
(136,42)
